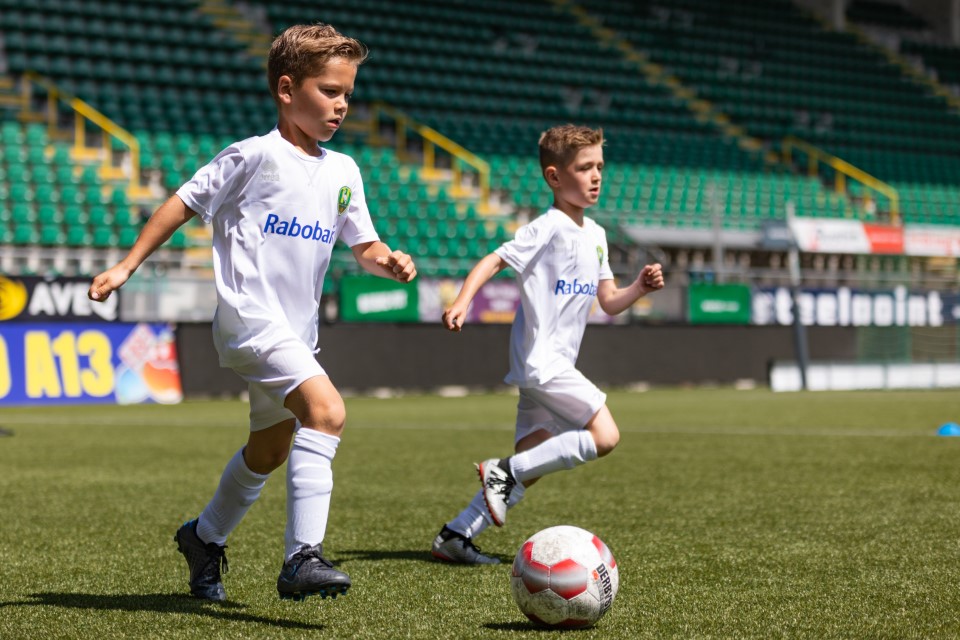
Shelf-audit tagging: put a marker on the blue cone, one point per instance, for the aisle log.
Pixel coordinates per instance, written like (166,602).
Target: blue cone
(949,429)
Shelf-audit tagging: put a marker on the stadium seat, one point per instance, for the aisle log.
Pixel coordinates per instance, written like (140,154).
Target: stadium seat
(104,237)
(25,234)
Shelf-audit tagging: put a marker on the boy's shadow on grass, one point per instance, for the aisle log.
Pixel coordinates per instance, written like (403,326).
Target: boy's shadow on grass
(158,602)
(423,556)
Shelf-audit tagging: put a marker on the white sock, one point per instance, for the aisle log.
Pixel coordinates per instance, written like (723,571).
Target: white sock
(564,451)
(309,485)
(475,517)
(239,488)
(516,495)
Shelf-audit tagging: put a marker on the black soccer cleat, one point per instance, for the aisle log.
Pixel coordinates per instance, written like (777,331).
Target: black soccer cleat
(453,547)
(308,573)
(204,560)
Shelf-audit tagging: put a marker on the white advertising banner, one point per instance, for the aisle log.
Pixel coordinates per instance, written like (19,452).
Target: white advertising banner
(849,376)
(827,235)
(931,240)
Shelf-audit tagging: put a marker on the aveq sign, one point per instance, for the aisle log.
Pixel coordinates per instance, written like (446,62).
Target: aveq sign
(33,299)
(843,307)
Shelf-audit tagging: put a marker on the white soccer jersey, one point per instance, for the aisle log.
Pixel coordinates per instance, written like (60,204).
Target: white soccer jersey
(559,267)
(276,214)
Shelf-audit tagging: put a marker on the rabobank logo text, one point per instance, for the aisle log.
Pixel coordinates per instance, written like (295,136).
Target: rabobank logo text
(275,224)
(575,288)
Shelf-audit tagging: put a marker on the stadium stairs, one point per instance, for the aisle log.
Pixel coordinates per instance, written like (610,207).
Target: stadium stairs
(11,98)
(798,80)
(657,75)
(231,19)
(907,41)
(907,68)
(49,200)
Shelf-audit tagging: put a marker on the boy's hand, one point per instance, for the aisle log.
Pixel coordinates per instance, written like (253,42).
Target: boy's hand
(400,265)
(107,282)
(453,317)
(651,278)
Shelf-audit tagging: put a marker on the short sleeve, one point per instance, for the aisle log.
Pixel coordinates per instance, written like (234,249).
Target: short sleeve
(605,272)
(357,227)
(528,243)
(212,184)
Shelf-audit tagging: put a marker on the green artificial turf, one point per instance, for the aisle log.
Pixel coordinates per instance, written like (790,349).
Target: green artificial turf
(732,514)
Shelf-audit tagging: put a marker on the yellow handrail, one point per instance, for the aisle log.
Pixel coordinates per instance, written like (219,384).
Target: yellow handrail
(84,112)
(843,170)
(432,139)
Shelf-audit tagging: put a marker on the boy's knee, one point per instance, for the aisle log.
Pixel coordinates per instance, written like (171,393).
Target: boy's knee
(265,459)
(317,405)
(605,433)
(327,415)
(606,441)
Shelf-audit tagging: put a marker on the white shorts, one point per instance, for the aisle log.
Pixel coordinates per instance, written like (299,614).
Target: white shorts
(271,377)
(564,403)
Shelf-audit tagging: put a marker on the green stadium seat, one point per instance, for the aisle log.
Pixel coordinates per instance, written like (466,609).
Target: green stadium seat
(118,197)
(178,240)
(11,134)
(51,235)
(104,237)
(75,215)
(89,177)
(99,215)
(46,194)
(72,194)
(127,236)
(23,212)
(36,155)
(49,214)
(61,156)
(25,234)
(14,153)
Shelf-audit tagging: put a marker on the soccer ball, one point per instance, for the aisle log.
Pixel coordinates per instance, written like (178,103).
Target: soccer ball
(564,577)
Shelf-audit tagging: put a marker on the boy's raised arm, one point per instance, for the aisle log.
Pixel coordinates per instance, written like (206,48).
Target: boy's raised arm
(169,217)
(488,267)
(613,300)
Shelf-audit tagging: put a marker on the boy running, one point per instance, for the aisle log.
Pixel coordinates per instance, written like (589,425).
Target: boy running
(277,202)
(562,265)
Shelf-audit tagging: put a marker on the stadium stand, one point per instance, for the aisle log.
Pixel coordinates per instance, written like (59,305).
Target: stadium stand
(695,99)
(926,196)
(525,59)
(884,14)
(841,95)
(778,72)
(51,201)
(944,60)
(546,67)
(140,62)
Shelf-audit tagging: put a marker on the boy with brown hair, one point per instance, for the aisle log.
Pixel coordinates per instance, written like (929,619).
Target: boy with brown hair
(562,266)
(277,203)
